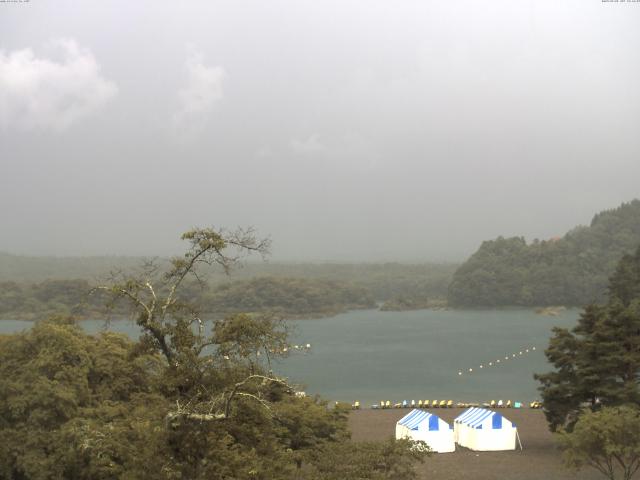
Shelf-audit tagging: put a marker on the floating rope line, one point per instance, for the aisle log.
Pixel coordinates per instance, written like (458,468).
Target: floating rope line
(494,363)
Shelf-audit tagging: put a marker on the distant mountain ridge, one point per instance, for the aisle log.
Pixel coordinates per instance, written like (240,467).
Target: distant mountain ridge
(572,270)
(22,268)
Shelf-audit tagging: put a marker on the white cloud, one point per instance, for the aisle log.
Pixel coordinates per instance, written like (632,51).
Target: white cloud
(40,93)
(197,98)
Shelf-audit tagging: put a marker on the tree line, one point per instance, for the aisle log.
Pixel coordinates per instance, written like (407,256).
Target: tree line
(572,270)
(183,401)
(291,297)
(592,395)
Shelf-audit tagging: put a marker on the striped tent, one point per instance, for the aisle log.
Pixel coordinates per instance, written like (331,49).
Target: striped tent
(458,423)
(427,427)
(483,430)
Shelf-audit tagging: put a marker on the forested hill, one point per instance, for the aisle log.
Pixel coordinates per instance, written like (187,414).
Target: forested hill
(19,268)
(572,270)
(290,297)
(36,287)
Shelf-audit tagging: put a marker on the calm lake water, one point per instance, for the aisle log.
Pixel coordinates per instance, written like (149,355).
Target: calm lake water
(368,355)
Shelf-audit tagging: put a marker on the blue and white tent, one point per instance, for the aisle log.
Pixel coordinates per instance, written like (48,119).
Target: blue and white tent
(459,421)
(427,427)
(484,430)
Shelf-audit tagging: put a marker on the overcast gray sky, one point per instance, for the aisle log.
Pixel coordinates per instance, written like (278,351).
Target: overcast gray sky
(346,130)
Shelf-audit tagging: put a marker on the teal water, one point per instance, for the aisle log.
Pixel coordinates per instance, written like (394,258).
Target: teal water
(368,355)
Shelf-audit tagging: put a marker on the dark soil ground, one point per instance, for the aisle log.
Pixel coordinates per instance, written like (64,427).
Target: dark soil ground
(539,459)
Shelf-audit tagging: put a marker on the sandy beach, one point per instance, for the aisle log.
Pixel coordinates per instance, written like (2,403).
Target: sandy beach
(539,459)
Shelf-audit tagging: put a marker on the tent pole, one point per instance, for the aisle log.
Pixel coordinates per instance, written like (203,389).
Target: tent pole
(518,437)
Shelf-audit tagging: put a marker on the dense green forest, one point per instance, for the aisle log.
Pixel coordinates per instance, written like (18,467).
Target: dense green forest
(591,395)
(178,403)
(597,362)
(288,296)
(60,286)
(34,301)
(86,407)
(572,270)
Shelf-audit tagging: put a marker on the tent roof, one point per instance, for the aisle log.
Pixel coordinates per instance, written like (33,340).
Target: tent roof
(415,417)
(467,414)
(477,417)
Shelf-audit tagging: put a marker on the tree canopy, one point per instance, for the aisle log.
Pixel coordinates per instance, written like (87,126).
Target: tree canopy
(290,297)
(190,399)
(607,440)
(572,270)
(597,363)
(316,291)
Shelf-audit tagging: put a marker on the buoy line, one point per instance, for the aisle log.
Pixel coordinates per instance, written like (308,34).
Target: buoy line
(496,362)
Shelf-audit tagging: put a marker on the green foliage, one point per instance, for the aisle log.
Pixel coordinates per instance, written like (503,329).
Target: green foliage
(299,289)
(607,440)
(598,361)
(390,460)
(409,302)
(51,297)
(290,297)
(624,285)
(70,403)
(286,296)
(389,281)
(248,338)
(74,405)
(572,270)
(184,402)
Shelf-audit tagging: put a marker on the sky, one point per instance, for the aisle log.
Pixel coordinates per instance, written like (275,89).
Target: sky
(344,130)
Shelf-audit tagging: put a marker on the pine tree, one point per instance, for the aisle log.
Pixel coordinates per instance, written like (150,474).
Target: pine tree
(624,284)
(598,361)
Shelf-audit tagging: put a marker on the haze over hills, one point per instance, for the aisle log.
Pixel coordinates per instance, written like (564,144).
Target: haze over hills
(20,268)
(572,270)
(37,287)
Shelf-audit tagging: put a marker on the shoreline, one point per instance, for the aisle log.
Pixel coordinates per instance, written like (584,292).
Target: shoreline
(321,315)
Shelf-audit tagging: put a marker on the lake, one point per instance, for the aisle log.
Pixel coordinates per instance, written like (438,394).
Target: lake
(369,355)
